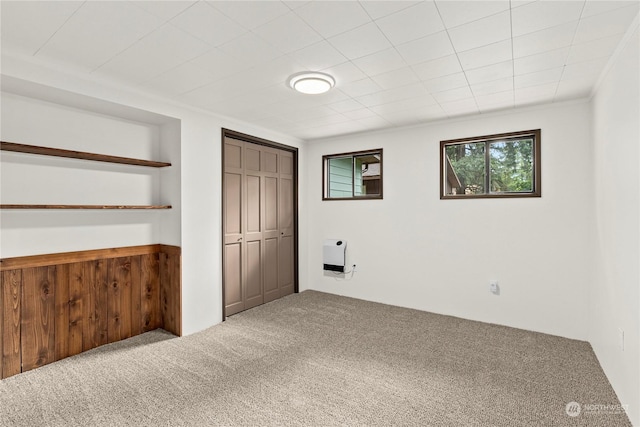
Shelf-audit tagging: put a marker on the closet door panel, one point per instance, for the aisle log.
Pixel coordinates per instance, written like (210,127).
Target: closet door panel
(253,295)
(233,278)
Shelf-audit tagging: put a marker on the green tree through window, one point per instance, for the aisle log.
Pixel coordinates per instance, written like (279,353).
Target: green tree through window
(506,165)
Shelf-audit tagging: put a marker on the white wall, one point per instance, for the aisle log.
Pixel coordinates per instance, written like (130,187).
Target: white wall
(29,179)
(199,205)
(614,302)
(414,250)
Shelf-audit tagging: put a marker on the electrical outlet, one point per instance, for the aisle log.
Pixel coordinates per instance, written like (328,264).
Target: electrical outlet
(493,287)
(621,339)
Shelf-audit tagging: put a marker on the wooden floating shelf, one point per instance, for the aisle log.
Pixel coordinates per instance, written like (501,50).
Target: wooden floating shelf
(112,207)
(57,152)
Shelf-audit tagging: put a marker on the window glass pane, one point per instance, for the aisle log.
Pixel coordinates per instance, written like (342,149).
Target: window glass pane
(511,166)
(465,168)
(340,176)
(367,173)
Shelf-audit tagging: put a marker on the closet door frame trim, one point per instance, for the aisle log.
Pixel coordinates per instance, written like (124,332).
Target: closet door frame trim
(259,141)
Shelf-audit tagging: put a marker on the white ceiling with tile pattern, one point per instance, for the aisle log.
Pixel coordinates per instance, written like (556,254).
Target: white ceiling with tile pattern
(394,62)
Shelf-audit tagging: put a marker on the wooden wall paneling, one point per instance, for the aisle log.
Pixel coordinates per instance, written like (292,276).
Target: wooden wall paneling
(136,294)
(69,257)
(89,307)
(114,302)
(119,299)
(2,280)
(170,290)
(38,306)
(62,312)
(124,277)
(150,292)
(11,290)
(100,289)
(77,296)
(51,312)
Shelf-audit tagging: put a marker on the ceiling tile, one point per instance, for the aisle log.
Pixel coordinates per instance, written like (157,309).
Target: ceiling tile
(486,55)
(393,95)
(453,95)
(295,4)
(378,9)
(361,41)
(396,78)
(360,87)
(412,23)
(594,49)
(452,81)
(438,67)
(380,62)
(481,32)
(345,73)
(362,113)
(455,13)
(346,106)
(585,69)
(99,31)
(197,21)
(544,14)
(219,64)
(181,79)
(160,51)
(538,78)
(250,49)
(279,33)
(427,48)
(544,40)
(490,73)
(318,56)
(606,24)
(495,100)
(251,14)
(494,86)
(541,61)
(464,106)
(415,115)
(28,25)
(404,105)
(535,94)
(163,9)
(332,17)
(596,7)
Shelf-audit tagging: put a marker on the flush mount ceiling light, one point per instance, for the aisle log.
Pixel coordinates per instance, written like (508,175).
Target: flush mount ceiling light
(311,83)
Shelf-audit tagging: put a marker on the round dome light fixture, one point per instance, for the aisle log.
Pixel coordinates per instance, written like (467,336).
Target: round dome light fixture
(311,83)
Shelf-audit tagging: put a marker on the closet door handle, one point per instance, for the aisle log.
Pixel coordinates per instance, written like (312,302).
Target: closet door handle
(239,239)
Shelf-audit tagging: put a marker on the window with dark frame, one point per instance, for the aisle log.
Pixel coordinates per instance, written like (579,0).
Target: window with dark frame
(491,166)
(352,176)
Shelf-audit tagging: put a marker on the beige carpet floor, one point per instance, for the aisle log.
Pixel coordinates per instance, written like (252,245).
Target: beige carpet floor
(315,359)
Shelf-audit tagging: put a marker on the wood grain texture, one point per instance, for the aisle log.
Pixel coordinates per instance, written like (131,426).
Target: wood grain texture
(101,292)
(58,152)
(78,256)
(170,292)
(116,207)
(136,295)
(38,307)
(11,289)
(54,311)
(150,292)
(76,302)
(62,312)
(2,280)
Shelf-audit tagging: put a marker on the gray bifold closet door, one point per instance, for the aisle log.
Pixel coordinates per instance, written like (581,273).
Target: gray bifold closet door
(258,224)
